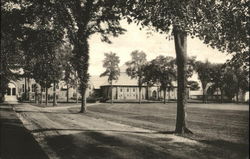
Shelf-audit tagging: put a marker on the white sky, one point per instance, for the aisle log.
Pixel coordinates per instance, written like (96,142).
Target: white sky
(153,45)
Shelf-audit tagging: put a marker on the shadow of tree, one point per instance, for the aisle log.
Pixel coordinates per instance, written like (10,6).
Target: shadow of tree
(93,144)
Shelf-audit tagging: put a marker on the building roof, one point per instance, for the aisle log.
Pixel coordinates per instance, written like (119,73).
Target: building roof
(123,80)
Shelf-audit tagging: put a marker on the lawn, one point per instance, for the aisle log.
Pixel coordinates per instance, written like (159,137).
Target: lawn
(219,125)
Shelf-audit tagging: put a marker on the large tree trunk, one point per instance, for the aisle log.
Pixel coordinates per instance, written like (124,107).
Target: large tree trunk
(83,101)
(46,96)
(180,39)
(54,94)
(81,46)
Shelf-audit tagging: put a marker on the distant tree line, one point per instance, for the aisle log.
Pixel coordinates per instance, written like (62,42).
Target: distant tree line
(230,80)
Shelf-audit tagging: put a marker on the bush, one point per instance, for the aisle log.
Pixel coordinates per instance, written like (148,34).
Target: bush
(91,100)
(22,98)
(103,100)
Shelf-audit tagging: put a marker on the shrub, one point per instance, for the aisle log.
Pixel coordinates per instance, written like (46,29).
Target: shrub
(91,100)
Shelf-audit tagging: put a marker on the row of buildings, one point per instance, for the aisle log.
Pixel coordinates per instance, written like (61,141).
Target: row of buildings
(124,89)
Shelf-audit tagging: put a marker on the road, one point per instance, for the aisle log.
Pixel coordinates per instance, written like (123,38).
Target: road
(67,134)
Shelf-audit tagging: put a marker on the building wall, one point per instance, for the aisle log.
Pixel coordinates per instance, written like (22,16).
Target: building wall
(61,90)
(132,92)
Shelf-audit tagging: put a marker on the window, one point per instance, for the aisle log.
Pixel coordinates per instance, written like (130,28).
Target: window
(120,90)
(128,90)
(133,89)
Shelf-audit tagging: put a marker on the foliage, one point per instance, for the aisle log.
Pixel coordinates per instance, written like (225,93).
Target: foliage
(217,23)
(163,71)
(11,32)
(204,70)
(136,67)
(111,63)
(47,68)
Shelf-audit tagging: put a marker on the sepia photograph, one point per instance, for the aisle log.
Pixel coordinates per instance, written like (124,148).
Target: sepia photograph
(124,79)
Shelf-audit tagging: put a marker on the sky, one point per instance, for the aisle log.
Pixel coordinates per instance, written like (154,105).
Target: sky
(153,45)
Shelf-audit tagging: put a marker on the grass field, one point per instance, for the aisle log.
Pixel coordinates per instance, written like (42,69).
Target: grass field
(219,125)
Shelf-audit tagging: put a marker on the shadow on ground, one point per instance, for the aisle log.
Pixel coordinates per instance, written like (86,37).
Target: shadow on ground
(16,142)
(93,144)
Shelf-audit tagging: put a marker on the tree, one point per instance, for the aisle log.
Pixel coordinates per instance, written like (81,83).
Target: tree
(77,20)
(230,80)
(47,69)
(11,58)
(162,70)
(82,19)
(111,63)
(217,79)
(68,70)
(221,24)
(204,71)
(135,68)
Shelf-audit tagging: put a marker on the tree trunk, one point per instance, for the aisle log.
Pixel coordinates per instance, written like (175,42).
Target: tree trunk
(46,96)
(217,98)
(28,89)
(83,101)
(111,91)
(180,39)
(221,95)
(204,95)
(25,88)
(169,96)
(165,90)
(41,96)
(54,94)
(139,94)
(67,92)
(76,92)
(36,97)
(147,92)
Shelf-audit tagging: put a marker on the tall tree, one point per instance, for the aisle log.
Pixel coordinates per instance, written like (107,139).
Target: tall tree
(82,19)
(47,69)
(162,70)
(221,24)
(111,63)
(135,68)
(11,58)
(204,70)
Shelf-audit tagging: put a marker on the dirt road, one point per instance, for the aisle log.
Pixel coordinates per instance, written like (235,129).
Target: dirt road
(64,134)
